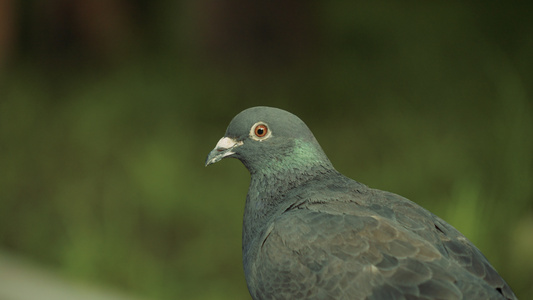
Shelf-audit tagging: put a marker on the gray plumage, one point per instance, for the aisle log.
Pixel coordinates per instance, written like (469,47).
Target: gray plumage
(309,232)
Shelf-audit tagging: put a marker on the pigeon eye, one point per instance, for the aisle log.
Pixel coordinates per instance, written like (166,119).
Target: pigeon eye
(260,130)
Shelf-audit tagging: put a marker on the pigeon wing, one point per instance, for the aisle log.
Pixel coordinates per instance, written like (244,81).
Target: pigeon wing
(311,254)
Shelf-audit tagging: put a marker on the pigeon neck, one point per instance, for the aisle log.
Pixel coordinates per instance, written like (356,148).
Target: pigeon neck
(271,183)
(294,161)
(274,181)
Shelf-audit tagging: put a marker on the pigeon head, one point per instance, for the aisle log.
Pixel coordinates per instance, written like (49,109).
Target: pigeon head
(269,139)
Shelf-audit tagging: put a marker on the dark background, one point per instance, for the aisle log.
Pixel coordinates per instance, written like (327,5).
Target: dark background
(109,108)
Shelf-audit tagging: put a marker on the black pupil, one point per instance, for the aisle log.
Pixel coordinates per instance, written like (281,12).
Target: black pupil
(260,131)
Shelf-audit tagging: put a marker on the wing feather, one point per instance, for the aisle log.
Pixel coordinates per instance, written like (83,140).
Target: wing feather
(388,249)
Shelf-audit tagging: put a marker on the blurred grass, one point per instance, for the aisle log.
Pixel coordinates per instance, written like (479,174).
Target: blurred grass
(102,166)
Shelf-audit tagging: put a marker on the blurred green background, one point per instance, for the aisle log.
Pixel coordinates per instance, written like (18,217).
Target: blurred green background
(109,108)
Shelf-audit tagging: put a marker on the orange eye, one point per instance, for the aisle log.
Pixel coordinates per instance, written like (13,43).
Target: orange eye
(260,130)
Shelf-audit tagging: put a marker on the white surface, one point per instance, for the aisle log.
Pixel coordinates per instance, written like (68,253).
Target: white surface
(21,280)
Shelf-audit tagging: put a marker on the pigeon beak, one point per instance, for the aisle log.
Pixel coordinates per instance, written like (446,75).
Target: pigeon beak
(223,149)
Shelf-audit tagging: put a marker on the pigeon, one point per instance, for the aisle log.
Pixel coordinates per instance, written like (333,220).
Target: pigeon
(310,232)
